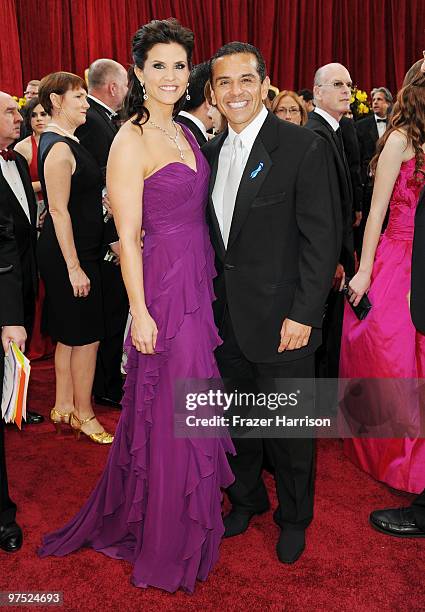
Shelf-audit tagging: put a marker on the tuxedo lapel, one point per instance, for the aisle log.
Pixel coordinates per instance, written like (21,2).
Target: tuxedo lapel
(373,130)
(29,192)
(103,114)
(342,163)
(13,200)
(255,173)
(218,142)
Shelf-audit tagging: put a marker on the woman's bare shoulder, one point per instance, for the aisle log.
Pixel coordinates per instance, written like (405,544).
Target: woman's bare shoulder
(24,147)
(129,135)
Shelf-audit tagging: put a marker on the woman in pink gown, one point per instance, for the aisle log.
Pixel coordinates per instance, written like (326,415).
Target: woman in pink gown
(386,345)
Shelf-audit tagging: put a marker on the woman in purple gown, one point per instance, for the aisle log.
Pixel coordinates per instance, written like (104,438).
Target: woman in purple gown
(386,344)
(158,502)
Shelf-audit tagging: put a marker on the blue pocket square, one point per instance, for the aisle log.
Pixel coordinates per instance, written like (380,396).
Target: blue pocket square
(257,170)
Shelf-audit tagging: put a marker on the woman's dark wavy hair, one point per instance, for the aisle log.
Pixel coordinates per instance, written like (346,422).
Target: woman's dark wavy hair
(28,110)
(155,32)
(409,114)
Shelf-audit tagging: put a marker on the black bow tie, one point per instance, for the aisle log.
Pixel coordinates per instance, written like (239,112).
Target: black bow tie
(8,155)
(381,121)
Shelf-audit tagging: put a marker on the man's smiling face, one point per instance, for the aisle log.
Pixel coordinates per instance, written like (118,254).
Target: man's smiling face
(237,89)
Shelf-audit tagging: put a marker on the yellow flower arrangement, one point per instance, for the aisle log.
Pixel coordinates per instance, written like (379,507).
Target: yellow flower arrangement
(361,95)
(21,101)
(359,103)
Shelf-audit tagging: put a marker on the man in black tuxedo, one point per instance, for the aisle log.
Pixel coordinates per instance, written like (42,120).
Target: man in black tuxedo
(17,203)
(107,87)
(12,326)
(352,152)
(273,229)
(369,130)
(332,92)
(410,522)
(195,111)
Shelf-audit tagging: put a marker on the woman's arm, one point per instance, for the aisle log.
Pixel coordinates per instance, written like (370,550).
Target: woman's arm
(58,169)
(124,181)
(393,154)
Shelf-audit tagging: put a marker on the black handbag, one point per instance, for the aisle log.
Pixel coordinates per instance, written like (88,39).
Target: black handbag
(363,307)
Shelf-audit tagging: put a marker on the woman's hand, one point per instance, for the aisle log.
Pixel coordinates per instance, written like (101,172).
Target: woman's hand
(41,219)
(144,333)
(80,282)
(358,286)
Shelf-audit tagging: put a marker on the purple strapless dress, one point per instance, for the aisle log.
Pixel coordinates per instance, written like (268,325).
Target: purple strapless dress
(387,345)
(158,502)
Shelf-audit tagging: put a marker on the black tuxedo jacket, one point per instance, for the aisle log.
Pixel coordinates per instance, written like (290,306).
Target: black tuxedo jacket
(367,133)
(11,302)
(417,296)
(283,244)
(200,138)
(24,234)
(352,151)
(96,135)
(319,125)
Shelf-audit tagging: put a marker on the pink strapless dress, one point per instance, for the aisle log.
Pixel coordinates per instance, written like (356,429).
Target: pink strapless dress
(387,345)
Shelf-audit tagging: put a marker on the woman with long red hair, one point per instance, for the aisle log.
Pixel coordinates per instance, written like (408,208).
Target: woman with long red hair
(386,345)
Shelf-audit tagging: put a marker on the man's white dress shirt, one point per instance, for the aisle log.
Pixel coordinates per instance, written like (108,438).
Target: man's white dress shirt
(247,137)
(12,176)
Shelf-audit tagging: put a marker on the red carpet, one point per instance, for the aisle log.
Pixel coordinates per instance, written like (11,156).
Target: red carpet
(346,566)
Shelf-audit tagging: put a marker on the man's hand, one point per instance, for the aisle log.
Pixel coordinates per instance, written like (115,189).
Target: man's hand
(107,205)
(41,219)
(293,335)
(115,248)
(358,218)
(339,278)
(13,333)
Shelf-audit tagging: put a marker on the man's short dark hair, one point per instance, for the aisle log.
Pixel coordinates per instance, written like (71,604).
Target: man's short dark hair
(199,75)
(306,94)
(239,47)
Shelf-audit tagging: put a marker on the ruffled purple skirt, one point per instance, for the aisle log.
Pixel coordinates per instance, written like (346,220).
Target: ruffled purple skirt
(158,502)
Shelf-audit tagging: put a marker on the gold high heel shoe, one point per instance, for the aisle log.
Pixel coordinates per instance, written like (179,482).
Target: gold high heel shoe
(103,437)
(59,418)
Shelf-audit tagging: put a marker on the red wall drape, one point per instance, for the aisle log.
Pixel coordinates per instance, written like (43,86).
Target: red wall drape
(376,39)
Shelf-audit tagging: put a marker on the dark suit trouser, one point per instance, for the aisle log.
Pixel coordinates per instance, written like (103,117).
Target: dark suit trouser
(292,459)
(418,507)
(108,380)
(327,355)
(7,507)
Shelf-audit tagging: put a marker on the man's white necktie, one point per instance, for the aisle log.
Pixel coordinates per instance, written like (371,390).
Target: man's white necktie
(232,186)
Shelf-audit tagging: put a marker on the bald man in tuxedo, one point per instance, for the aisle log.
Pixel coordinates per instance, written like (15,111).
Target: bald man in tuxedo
(18,205)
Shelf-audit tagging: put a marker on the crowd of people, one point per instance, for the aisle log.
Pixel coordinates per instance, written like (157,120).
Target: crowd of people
(236,230)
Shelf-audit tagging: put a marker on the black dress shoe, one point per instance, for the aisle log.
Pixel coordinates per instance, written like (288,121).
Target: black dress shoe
(10,537)
(106,401)
(33,418)
(236,522)
(290,545)
(399,522)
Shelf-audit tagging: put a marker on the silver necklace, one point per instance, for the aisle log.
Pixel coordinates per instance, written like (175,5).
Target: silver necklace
(169,135)
(61,129)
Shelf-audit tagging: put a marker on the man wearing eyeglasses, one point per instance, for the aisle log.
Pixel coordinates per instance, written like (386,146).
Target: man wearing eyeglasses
(332,93)
(31,90)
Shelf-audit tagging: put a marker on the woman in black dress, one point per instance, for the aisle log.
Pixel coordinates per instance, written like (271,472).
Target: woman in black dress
(69,250)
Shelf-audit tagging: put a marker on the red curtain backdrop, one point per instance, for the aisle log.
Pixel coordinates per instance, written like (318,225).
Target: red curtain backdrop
(376,39)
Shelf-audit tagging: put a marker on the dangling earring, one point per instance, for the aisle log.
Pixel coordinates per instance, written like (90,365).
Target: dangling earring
(187,92)
(145,95)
